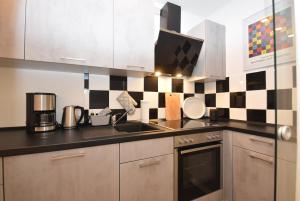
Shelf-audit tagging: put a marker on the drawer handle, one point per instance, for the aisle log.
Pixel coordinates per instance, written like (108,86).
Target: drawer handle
(150,163)
(61,157)
(261,158)
(262,141)
(135,67)
(74,59)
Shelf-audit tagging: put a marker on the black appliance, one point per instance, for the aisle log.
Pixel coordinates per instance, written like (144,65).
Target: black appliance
(213,115)
(198,166)
(40,112)
(220,114)
(175,53)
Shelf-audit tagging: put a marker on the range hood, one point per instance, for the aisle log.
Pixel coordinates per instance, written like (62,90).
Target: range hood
(175,53)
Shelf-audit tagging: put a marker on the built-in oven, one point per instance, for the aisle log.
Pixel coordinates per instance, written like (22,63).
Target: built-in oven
(198,167)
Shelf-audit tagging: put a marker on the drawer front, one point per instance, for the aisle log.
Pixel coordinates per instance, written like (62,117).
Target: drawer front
(147,180)
(1,172)
(254,143)
(131,151)
(76,174)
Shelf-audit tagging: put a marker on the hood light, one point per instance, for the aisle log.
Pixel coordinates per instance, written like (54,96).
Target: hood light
(179,75)
(157,73)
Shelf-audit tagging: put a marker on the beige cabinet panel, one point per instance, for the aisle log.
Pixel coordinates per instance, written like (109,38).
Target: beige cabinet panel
(254,143)
(12,28)
(70,31)
(131,151)
(1,172)
(215,50)
(253,178)
(227,165)
(1,193)
(133,34)
(215,196)
(147,180)
(88,174)
(211,64)
(286,177)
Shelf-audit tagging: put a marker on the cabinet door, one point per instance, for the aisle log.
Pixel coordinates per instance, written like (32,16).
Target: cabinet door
(12,28)
(70,31)
(215,50)
(253,178)
(1,193)
(1,172)
(89,174)
(134,32)
(147,180)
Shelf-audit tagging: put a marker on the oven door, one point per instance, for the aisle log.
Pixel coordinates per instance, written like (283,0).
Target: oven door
(199,171)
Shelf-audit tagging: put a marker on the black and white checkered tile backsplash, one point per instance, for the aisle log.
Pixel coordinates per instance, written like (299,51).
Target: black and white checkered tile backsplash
(248,97)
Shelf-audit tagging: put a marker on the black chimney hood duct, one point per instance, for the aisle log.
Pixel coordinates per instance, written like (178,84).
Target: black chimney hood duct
(175,53)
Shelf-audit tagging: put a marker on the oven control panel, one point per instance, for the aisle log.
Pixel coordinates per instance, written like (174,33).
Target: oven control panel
(186,140)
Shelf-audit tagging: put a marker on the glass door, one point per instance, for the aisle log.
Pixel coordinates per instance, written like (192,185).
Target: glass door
(285,100)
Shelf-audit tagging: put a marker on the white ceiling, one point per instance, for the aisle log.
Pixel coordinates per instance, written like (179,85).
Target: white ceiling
(201,8)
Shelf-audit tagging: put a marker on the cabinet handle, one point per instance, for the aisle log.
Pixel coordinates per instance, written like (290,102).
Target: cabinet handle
(61,157)
(262,141)
(149,163)
(261,158)
(74,59)
(135,67)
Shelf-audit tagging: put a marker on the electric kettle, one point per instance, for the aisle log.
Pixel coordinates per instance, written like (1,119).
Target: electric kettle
(69,118)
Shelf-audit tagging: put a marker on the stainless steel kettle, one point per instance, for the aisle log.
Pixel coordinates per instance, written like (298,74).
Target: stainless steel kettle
(69,118)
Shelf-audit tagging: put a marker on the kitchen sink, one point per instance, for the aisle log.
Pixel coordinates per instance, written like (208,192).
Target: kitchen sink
(132,127)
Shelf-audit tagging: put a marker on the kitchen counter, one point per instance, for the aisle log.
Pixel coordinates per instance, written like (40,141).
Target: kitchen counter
(15,141)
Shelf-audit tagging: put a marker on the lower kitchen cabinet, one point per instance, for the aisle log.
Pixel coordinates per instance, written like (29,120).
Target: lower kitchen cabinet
(148,179)
(253,175)
(87,174)
(1,193)
(1,171)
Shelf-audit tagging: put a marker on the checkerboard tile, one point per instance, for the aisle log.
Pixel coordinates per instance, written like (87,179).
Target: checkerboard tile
(249,96)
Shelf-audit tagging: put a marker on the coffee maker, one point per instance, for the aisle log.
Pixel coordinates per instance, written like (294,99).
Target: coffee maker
(40,112)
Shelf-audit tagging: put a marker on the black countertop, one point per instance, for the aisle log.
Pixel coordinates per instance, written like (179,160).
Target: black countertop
(15,141)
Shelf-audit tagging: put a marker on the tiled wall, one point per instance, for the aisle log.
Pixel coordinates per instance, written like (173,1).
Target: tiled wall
(104,90)
(249,97)
(255,102)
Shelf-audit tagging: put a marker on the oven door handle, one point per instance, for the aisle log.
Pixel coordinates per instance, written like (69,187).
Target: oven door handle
(200,149)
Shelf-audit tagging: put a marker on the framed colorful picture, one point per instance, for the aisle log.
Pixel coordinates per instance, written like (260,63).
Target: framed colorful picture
(259,37)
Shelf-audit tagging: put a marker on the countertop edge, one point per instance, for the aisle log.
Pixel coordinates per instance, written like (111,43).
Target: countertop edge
(125,138)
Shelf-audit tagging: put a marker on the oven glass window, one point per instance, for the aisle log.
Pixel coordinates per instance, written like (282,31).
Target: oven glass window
(199,173)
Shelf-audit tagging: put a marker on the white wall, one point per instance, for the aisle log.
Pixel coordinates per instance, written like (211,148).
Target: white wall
(16,82)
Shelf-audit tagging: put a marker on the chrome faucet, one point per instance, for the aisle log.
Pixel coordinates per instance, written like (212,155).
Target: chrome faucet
(115,121)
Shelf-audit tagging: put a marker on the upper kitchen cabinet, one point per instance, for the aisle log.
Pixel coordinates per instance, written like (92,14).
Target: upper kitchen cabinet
(12,28)
(70,31)
(134,35)
(211,64)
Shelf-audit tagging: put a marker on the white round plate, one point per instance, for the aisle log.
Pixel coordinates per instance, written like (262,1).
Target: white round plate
(193,108)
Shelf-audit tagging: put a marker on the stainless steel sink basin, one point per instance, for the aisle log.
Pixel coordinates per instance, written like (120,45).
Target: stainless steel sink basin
(132,127)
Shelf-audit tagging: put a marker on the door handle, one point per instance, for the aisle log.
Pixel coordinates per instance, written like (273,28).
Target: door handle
(73,59)
(261,158)
(284,133)
(61,157)
(261,141)
(149,163)
(134,67)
